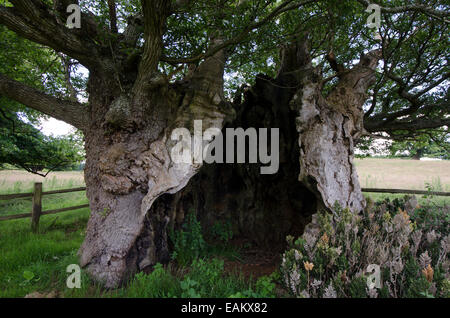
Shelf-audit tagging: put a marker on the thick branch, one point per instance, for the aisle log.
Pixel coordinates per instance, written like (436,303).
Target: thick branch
(112,15)
(356,81)
(70,112)
(36,22)
(337,67)
(415,124)
(350,93)
(390,122)
(155,16)
(417,106)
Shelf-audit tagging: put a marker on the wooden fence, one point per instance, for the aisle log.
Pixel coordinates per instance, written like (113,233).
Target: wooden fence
(36,210)
(445,194)
(37,194)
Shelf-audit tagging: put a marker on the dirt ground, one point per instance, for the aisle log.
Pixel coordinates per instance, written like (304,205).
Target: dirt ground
(254,261)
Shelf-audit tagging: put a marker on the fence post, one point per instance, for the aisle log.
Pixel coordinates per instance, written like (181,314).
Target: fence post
(37,206)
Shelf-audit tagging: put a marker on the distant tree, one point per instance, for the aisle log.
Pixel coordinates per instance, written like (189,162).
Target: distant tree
(435,144)
(21,144)
(26,147)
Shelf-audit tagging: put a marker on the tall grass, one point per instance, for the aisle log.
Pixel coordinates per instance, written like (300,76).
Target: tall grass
(370,181)
(45,255)
(435,184)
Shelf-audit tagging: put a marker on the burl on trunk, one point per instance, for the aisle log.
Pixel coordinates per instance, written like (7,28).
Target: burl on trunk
(129,165)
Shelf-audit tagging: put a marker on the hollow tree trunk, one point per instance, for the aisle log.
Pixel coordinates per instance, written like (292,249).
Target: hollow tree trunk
(129,167)
(316,153)
(128,164)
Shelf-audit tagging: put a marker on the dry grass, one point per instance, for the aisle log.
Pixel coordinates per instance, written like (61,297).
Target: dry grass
(16,181)
(373,173)
(403,173)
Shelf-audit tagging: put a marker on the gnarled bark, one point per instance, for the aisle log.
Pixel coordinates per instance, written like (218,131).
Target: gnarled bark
(137,192)
(316,153)
(129,165)
(327,128)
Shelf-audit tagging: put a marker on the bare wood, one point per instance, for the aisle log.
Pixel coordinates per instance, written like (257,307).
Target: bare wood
(15,216)
(76,207)
(27,215)
(15,196)
(28,195)
(446,194)
(37,206)
(63,191)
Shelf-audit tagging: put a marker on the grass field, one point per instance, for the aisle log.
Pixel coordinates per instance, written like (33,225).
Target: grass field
(14,181)
(404,174)
(31,263)
(46,255)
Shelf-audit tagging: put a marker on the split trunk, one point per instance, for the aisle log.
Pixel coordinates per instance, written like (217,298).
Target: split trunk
(137,193)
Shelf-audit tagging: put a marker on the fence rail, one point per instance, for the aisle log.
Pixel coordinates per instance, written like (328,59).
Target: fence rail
(445,194)
(37,194)
(30,194)
(36,210)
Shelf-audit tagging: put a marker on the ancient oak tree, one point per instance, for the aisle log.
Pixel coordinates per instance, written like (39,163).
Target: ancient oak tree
(311,68)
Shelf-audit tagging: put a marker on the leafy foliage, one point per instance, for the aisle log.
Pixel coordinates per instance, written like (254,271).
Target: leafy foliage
(205,278)
(188,243)
(25,147)
(21,143)
(433,144)
(222,231)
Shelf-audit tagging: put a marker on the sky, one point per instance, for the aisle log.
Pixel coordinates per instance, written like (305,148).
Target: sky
(55,127)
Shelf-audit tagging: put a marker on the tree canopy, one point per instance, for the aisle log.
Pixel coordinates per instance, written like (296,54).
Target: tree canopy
(409,100)
(328,79)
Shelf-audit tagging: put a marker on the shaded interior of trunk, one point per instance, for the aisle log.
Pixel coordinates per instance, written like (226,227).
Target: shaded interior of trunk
(262,208)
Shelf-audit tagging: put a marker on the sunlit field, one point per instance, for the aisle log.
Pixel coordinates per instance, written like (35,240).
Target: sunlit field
(17,181)
(372,172)
(403,174)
